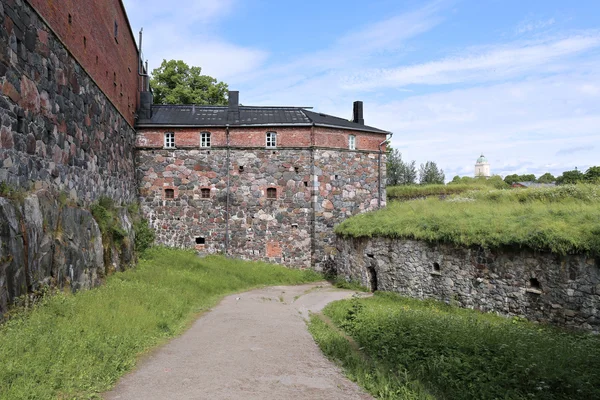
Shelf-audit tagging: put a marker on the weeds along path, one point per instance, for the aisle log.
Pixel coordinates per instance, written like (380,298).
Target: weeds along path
(253,345)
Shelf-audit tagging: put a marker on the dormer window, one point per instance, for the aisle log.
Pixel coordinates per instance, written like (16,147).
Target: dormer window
(271,140)
(169,140)
(352,142)
(205,139)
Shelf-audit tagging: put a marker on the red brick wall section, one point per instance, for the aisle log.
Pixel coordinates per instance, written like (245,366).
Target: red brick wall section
(255,137)
(111,62)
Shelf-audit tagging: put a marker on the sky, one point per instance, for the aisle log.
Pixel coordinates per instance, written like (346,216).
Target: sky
(516,80)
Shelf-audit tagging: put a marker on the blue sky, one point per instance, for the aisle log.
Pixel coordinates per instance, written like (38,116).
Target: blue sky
(516,80)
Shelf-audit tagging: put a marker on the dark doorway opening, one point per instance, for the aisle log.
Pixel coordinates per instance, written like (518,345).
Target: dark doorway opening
(372,275)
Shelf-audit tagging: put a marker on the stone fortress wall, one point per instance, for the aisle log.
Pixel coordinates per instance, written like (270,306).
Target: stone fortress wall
(317,187)
(66,139)
(544,287)
(58,128)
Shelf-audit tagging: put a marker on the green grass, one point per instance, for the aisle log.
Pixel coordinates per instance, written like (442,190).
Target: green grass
(563,220)
(75,346)
(460,354)
(374,377)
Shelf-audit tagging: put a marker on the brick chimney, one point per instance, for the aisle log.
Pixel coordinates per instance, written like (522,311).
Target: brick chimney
(358,113)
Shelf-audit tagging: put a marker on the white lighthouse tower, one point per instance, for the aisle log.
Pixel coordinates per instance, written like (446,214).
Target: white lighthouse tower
(482,167)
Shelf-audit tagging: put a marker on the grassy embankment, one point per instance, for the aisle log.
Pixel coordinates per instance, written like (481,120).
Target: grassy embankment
(564,219)
(409,349)
(74,346)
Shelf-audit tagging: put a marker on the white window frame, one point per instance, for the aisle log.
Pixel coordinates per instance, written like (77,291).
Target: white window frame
(352,142)
(205,139)
(271,140)
(169,140)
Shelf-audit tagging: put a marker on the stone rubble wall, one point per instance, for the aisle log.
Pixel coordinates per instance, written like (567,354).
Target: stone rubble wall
(57,129)
(503,281)
(46,243)
(294,229)
(348,185)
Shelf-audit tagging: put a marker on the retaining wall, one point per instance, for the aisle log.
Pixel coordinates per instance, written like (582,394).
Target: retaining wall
(544,287)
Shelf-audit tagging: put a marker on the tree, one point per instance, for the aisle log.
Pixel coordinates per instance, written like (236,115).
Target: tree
(592,175)
(430,174)
(547,178)
(513,178)
(174,82)
(398,171)
(570,177)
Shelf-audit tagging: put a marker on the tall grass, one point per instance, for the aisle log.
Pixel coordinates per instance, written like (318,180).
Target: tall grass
(462,354)
(410,192)
(563,220)
(75,346)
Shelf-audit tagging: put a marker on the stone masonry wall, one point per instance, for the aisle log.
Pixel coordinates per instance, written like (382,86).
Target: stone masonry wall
(544,287)
(348,184)
(57,128)
(275,230)
(98,35)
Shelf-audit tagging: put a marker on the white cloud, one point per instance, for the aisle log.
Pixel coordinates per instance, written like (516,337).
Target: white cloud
(494,63)
(529,26)
(185,32)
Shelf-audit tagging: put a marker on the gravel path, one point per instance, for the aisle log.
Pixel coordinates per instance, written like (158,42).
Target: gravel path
(253,345)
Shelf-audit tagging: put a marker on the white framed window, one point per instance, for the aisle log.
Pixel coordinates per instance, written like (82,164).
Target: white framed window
(205,139)
(271,139)
(352,142)
(169,140)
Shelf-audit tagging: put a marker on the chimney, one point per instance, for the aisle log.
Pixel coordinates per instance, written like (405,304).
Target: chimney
(358,113)
(146,100)
(234,101)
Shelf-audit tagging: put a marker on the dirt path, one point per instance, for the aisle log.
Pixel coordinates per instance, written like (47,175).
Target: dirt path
(254,345)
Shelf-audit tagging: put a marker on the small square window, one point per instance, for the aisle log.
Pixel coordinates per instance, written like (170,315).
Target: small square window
(271,193)
(169,140)
(205,139)
(205,193)
(271,139)
(200,240)
(352,142)
(169,193)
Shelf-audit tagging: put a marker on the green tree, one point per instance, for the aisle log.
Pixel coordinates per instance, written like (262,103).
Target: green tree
(513,178)
(174,82)
(592,175)
(527,178)
(398,171)
(547,178)
(570,177)
(430,174)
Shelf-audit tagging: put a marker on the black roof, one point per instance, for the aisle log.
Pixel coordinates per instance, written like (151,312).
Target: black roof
(214,116)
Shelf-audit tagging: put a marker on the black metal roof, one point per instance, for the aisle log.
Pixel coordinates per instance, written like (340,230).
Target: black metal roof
(215,116)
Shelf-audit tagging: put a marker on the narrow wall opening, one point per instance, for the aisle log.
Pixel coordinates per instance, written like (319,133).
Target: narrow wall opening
(372,276)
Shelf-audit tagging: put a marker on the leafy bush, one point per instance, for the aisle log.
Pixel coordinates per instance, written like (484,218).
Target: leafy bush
(75,346)
(463,354)
(562,220)
(144,235)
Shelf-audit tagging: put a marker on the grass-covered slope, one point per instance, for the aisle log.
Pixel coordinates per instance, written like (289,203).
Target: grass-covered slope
(412,349)
(564,219)
(74,346)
